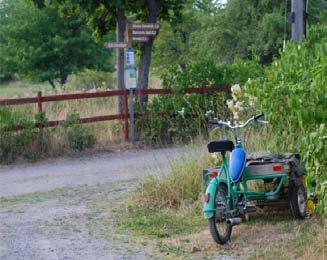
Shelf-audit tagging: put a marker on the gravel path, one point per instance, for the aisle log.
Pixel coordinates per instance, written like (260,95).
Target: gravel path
(57,173)
(61,208)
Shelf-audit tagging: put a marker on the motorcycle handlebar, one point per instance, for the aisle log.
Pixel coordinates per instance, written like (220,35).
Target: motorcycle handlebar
(220,123)
(258,116)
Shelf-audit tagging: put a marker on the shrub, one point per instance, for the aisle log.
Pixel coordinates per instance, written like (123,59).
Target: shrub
(79,138)
(14,143)
(293,92)
(186,115)
(90,79)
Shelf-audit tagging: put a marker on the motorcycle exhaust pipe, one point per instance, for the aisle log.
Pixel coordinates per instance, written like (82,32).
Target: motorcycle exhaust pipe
(234,221)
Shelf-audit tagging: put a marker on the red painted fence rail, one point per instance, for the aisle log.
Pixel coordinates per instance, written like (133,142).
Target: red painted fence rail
(39,99)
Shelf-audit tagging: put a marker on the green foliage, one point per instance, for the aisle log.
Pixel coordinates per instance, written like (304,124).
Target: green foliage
(43,46)
(315,155)
(150,209)
(238,30)
(161,223)
(101,15)
(187,115)
(90,79)
(20,139)
(293,93)
(79,138)
(15,143)
(183,184)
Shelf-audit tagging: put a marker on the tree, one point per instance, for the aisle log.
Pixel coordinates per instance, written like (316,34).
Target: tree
(174,43)
(102,16)
(225,33)
(41,45)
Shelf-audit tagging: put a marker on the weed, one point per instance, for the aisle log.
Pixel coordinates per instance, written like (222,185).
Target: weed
(79,137)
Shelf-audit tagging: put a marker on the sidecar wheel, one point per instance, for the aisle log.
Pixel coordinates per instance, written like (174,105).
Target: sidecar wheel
(219,229)
(298,201)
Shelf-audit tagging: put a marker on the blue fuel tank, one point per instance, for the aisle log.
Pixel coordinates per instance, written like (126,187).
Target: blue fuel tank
(237,161)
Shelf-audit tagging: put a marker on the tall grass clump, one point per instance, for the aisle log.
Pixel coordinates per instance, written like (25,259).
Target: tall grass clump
(182,185)
(20,138)
(167,205)
(78,138)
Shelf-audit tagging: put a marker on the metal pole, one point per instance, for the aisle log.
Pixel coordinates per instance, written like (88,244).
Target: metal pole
(126,115)
(131,116)
(297,20)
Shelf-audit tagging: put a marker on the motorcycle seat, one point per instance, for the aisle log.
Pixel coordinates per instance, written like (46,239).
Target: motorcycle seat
(220,146)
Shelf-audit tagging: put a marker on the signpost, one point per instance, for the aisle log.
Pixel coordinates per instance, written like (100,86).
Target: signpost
(136,32)
(141,32)
(116,45)
(130,84)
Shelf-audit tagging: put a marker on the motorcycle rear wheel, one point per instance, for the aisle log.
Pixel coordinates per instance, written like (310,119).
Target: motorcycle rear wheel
(219,229)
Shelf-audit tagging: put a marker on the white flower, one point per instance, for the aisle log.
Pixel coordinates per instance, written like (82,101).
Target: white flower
(239,105)
(208,113)
(230,103)
(236,116)
(182,111)
(236,89)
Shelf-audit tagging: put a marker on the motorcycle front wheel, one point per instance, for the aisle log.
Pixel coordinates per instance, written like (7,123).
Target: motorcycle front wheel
(219,229)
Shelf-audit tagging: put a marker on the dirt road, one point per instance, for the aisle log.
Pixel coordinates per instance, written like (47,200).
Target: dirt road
(53,210)
(58,173)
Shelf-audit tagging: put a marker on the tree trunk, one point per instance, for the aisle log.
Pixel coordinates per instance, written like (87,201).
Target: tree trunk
(52,84)
(120,37)
(146,50)
(63,80)
(144,70)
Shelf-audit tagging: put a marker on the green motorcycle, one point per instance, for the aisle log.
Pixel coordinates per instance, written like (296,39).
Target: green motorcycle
(228,198)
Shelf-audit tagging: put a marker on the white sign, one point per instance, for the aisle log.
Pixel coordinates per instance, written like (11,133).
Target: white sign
(140,39)
(116,45)
(130,59)
(137,32)
(130,78)
(143,26)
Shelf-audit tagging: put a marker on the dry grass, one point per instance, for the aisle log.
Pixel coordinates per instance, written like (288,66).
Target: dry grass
(56,139)
(263,237)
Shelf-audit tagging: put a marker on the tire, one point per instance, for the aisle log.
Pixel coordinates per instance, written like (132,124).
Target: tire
(298,200)
(219,229)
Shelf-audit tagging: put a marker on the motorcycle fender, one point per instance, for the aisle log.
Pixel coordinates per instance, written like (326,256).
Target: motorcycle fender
(209,206)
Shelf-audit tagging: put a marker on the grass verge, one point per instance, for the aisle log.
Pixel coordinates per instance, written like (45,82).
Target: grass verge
(167,205)
(168,210)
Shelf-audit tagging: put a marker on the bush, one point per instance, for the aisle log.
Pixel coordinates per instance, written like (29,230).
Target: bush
(186,115)
(293,93)
(15,143)
(79,138)
(90,79)
(20,139)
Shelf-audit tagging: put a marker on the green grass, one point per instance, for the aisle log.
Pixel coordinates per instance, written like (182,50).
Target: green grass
(36,197)
(164,223)
(168,210)
(17,89)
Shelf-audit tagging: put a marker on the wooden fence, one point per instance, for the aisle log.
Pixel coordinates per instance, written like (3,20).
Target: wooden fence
(40,99)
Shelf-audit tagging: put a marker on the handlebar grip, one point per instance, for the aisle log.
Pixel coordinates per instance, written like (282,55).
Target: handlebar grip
(213,121)
(258,116)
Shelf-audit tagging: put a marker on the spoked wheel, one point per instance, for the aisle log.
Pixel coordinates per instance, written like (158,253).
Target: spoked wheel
(219,229)
(298,201)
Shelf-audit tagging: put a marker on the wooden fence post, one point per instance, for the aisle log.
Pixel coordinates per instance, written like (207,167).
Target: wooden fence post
(39,101)
(126,115)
